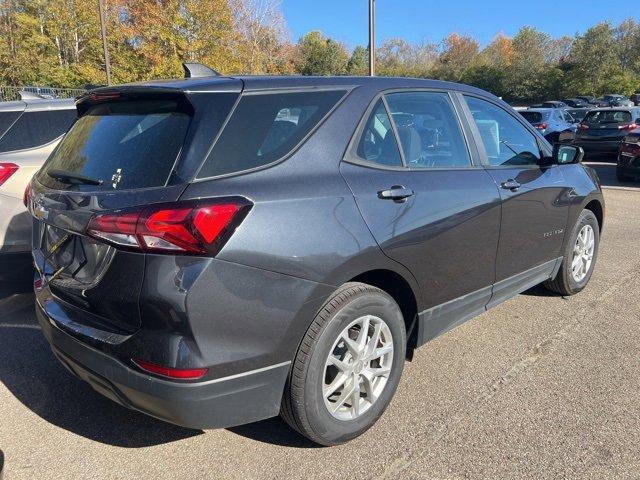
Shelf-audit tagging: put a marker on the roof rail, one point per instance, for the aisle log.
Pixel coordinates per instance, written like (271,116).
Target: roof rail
(198,70)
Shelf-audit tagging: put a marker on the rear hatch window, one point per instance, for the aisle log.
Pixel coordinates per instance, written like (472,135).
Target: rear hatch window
(532,117)
(608,119)
(121,145)
(266,127)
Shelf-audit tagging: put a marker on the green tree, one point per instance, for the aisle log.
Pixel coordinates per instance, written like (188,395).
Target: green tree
(358,64)
(319,55)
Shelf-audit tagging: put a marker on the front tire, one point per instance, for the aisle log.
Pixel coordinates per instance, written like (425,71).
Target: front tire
(347,367)
(579,259)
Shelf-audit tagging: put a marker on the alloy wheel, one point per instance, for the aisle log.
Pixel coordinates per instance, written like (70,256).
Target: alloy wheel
(583,251)
(357,368)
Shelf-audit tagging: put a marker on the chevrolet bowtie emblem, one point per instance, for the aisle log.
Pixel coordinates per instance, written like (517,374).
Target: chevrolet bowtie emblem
(116,177)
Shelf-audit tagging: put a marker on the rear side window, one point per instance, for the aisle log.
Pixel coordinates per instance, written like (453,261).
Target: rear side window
(34,129)
(266,127)
(428,129)
(6,120)
(126,144)
(506,141)
(378,142)
(614,117)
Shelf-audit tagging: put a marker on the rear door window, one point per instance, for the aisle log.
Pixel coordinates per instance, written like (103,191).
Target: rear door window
(266,127)
(125,144)
(378,142)
(37,128)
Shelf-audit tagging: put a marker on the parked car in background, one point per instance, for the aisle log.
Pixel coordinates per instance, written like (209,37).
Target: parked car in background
(554,104)
(602,129)
(628,167)
(216,250)
(593,101)
(575,102)
(42,92)
(550,122)
(577,113)
(615,100)
(29,131)
(635,98)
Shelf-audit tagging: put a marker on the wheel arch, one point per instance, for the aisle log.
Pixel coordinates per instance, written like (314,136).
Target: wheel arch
(597,209)
(402,291)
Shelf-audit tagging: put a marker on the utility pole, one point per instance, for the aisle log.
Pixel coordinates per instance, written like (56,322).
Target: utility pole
(103,31)
(372,38)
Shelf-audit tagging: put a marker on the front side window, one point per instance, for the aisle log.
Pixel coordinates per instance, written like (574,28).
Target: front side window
(429,131)
(378,142)
(506,141)
(266,127)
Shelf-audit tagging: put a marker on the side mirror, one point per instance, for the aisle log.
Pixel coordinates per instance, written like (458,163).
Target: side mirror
(566,154)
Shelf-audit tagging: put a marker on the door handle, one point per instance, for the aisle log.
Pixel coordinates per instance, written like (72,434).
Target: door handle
(397,193)
(510,184)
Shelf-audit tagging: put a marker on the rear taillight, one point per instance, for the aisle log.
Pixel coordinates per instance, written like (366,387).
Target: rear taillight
(541,126)
(631,126)
(26,195)
(179,373)
(198,228)
(582,126)
(6,170)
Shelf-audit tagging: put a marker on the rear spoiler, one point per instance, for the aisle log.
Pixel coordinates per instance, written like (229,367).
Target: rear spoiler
(132,92)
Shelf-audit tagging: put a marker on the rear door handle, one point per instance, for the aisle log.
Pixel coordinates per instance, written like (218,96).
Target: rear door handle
(397,193)
(510,184)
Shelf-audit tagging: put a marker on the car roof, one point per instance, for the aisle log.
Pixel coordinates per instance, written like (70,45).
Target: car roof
(266,82)
(540,109)
(615,109)
(38,105)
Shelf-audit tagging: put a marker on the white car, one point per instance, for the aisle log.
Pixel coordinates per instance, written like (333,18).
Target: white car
(29,131)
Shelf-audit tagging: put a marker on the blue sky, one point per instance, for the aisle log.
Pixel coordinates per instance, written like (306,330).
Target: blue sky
(432,20)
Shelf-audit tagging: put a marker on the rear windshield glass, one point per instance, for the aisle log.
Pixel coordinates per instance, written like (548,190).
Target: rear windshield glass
(532,117)
(7,119)
(34,129)
(265,127)
(127,144)
(614,117)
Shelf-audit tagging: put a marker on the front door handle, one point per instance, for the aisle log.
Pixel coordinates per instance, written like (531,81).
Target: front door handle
(397,193)
(510,184)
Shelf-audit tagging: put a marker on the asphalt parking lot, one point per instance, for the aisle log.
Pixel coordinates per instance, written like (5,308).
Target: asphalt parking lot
(539,387)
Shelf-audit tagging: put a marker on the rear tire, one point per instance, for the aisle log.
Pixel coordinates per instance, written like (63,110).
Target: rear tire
(579,258)
(324,360)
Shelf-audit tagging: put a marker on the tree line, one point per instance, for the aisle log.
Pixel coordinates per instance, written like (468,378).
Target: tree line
(57,43)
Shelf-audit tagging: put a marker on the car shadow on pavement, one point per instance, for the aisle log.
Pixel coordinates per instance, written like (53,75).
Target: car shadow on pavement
(31,373)
(274,431)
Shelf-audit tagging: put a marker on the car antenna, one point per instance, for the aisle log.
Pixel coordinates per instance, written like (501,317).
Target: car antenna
(198,70)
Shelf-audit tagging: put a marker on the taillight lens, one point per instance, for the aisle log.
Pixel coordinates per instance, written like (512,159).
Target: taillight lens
(6,170)
(26,195)
(582,126)
(179,373)
(186,228)
(541,126)
(631,126)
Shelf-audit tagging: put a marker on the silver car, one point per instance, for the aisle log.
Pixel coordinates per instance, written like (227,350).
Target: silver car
(29,131)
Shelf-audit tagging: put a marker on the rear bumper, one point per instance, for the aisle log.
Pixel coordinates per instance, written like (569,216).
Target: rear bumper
(222,402)
(609,146)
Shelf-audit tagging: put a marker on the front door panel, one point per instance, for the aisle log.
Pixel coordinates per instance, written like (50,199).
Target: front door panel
(534,218)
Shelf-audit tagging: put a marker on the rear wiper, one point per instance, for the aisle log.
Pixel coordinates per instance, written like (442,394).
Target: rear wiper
(73,178)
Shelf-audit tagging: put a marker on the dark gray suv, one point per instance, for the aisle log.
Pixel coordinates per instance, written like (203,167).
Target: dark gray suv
(215,251)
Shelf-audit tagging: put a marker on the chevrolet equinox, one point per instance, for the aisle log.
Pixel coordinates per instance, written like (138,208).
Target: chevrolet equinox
(214,250)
